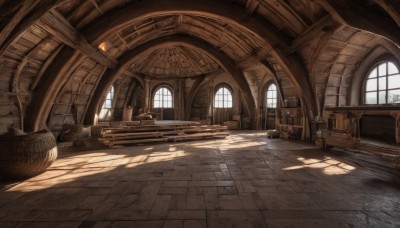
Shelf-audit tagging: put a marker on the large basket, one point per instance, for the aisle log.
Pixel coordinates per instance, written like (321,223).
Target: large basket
(26,155)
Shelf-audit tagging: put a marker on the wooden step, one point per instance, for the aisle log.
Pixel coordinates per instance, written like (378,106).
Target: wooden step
(198,136)
(124,142)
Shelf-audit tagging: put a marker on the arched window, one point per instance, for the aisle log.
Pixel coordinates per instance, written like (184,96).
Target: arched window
(163,98)
(105,112)
(223,98)
(271,96)
(383,84)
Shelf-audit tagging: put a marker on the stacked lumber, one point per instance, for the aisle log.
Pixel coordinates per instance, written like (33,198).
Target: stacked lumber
(137,134)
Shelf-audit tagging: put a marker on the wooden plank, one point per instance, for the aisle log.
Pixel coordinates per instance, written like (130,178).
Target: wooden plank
(198,136)
(137,141)
(141,134)
(321,27)
(54,23)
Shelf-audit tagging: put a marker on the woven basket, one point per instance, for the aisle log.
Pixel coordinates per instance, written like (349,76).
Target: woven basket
(26,155)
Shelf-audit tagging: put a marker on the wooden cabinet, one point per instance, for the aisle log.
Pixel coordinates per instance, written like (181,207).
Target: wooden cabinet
(290,123)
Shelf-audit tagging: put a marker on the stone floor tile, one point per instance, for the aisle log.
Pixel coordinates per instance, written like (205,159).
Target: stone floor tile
(160,207)
(147,224)
(288,201)
(126,215)
(210,183)
(195,224)
(235,219)
(248,202)
(174,224)
(244,186)
(92,202)
(227,191)
(47,224)
(9,224)
(125,202)
(175,184)
(195,191)
(195,203)
(147,196)
(172,190)
(178,203)
(187,214)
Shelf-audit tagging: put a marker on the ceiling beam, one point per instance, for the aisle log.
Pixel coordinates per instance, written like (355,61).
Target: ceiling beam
(55,24)
(48,88)
(111,22)
(126,59)
(321,27)
(136,76)
(190,97)
(193,60)
(251,5)
(27,15)
(356,15)
(392,9)
(253,60)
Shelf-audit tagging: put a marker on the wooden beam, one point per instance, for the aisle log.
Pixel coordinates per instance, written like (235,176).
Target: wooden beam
(55,24)
(18,9)
(136,76)
(392,9)
(193,90)
(251,5)
(129,93)
(274,75)
(194,61)
(357,15)
(323,26)
(26,16)
(47,89)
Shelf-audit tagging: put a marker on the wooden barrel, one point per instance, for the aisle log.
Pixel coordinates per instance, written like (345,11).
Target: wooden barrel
(26,155)
(127,114)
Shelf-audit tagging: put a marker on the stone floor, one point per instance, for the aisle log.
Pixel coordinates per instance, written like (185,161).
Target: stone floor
(245,180)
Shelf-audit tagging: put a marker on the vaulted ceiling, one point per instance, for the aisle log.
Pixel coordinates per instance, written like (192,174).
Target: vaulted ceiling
(55,53)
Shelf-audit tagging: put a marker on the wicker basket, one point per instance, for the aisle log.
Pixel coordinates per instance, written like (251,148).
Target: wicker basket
(26,155)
